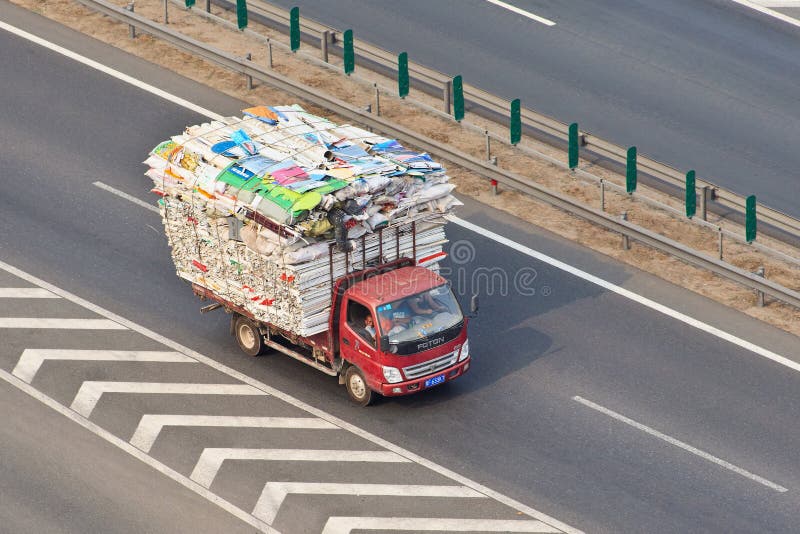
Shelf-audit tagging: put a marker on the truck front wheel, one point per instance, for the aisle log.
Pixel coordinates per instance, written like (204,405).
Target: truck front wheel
(248,337)
(357,386)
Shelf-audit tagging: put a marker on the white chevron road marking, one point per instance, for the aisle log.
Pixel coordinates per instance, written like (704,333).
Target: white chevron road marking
(26,293)
(151,424)
(90,392)
(275,492)
(64,324)
(32,359)
(211,460)
(344,525)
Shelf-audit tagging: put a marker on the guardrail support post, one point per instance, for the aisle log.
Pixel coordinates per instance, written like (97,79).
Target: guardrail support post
(131,27)
(166,12)
(602,195)
(377,100)
(447,96)
(759,293)
(323,45)
(494,187)
(208,6)
(269,53)
(626,241)
(249,78)
(719,241)
(704,202)
(488,145)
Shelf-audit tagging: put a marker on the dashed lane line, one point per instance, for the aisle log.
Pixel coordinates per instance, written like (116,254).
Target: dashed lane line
(150,425)
(680,444)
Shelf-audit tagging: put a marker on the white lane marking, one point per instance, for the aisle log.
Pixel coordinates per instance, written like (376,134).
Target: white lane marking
(499,497)
(275,492)
(677,443)
(26,293)
(56,323)
(136,453)
(344,525)
(90,392)
(211,460)
(770,12)
(150,425)
(111,72)
(518,11)
(400,451)
(32,359)
(644,301)
(126,196)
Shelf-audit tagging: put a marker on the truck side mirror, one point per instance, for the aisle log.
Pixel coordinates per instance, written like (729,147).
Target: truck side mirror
(384,343)
(473,304)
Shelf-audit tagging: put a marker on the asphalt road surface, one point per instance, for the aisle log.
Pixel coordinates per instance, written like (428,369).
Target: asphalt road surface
(581,403)
(704,85)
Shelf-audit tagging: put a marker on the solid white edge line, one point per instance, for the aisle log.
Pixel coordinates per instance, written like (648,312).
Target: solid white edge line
(111,72)
(126,196)
(518,11)
(680,444)
(136,453)
(770,12)
(644,301)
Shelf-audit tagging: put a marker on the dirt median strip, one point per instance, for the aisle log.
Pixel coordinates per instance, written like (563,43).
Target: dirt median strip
(359,91)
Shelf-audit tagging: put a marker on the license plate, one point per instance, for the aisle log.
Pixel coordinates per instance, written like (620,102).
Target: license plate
(433,381)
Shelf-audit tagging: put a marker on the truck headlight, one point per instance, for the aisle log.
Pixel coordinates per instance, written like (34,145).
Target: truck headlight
(464,351)
(392,375)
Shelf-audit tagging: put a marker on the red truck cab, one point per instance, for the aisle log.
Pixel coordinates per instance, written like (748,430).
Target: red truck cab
(400,332)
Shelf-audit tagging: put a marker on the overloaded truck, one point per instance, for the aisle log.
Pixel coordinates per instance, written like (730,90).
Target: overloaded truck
(322,241)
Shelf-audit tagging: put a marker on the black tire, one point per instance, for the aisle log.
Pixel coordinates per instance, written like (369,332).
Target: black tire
(248,337)
(357,387)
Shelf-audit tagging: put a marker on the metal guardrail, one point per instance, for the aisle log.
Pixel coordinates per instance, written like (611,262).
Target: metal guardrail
(513,180)
(541,122)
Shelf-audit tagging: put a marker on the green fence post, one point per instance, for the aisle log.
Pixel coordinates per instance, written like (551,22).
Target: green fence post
(402,75)
(750,222)
(458,98)
(573,145)
(349,55)
(294,28)
(189,3)
(691,195)
(630,171)
(241,13)
(516,123)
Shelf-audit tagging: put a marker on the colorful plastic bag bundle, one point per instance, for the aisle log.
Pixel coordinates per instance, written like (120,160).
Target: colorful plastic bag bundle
(259,209)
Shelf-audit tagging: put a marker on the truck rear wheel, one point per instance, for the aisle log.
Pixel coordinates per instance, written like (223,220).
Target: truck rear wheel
(357,386)
(248,337)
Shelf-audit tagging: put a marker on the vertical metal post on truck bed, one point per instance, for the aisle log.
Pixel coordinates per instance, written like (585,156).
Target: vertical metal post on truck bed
(380,245)
(330,264)
(414,240)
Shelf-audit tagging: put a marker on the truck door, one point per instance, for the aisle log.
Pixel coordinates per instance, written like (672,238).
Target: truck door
(358,340)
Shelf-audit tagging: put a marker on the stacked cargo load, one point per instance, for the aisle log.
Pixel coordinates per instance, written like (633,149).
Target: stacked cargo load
(267,210)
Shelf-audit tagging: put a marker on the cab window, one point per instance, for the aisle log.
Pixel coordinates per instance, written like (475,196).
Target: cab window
(359,319)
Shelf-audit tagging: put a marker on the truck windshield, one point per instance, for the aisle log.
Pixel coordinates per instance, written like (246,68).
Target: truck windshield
(419,316)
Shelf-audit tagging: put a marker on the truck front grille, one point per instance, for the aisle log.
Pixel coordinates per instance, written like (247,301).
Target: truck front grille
(430,367)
